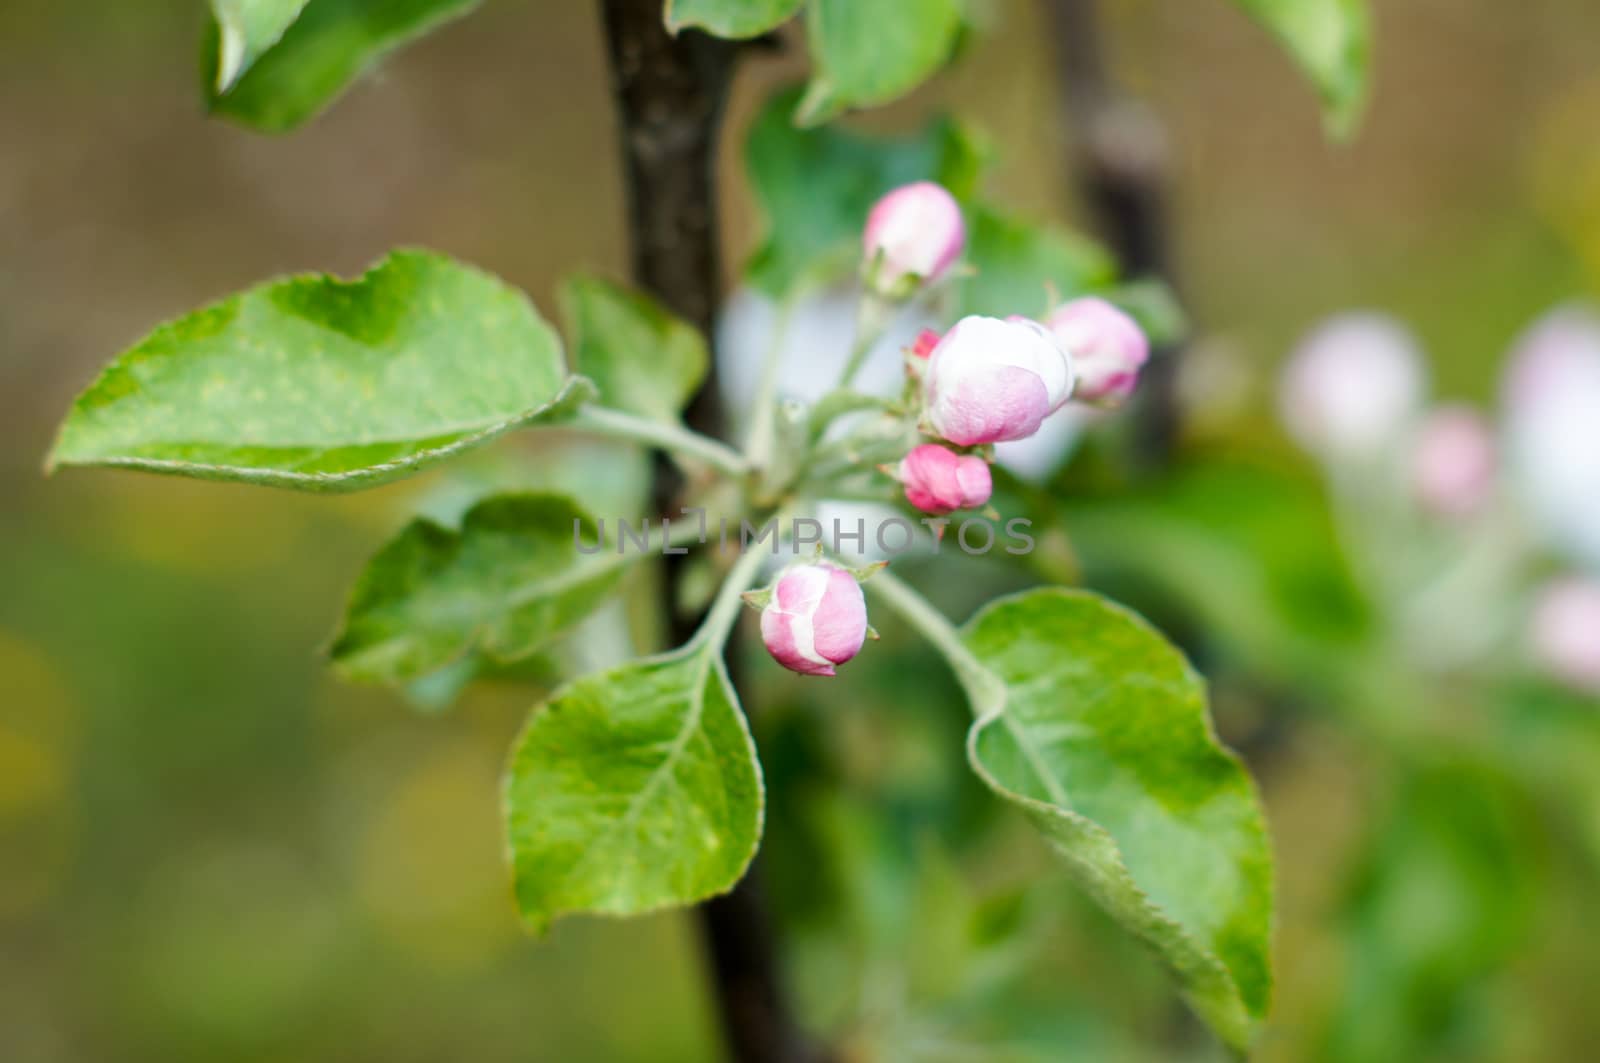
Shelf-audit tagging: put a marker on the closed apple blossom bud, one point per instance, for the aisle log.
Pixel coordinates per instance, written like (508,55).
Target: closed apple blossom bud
(926,341)
(938,480)
(1352,386)
(913,236)
(1566,632)
(990,380)
(1108,350)
(1453,465)
(815,618)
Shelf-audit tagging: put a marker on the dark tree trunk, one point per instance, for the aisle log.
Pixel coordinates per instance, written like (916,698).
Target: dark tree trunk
(670,93)
(1120,160)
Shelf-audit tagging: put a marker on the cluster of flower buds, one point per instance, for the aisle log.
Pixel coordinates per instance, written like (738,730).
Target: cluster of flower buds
(987,380)
(1355,395)
(984,381)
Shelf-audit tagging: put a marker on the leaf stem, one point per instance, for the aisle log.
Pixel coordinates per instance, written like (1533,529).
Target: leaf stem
(980,684)
(725,609)
(873,315)
(671,437)
(758,440)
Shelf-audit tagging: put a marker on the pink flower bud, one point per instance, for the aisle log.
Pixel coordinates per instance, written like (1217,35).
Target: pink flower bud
(1566,632)
(938,480)
(926,341)
(1352,386)
(990,380)
(816,618)
(1453,465)
(1108,349)
(913,236)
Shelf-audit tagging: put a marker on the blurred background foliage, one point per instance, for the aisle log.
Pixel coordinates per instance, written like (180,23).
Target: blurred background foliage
(210,849)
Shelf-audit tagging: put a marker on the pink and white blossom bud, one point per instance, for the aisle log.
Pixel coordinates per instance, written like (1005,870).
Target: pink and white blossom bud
(990,380)
(938,480)
(913,236)
(1566,632)
(816,618)
(1453,465)
(1108,349)
(1352,386)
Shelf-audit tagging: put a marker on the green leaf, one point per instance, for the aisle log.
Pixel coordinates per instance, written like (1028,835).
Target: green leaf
(1097,729)
(736,19)
(321,384)
(815,187)
(633,789)
(1331,40)
(315,58)
(511,579)
(245,30)
(641,358)
(1027,268)
(868,52)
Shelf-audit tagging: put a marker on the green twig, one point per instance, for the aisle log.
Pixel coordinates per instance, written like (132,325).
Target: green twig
(670,437)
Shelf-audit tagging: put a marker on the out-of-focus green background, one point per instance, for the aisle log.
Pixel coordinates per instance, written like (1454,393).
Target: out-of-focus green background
(209,849)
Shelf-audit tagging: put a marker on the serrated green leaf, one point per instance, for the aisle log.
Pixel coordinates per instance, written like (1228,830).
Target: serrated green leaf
(815,187)
(503,585)
(1026,268)
(641,358)
(245,30)
(1331,40)
(1097,730)
(322,384)
(868,52)
(633,789)
(734,19)
(317,57)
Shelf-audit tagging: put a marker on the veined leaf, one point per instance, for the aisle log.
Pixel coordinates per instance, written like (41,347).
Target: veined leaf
(815,187)
(1026,268)
(734,19)
(633,789)
(640,357)
(1331,40)
(503,585)
(245,30)
(867,52)
(313,58)
(322,384)
(1095,728)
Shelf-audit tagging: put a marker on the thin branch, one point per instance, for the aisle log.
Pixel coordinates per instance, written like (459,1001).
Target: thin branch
(1119,157)
(670,92)
(670,437)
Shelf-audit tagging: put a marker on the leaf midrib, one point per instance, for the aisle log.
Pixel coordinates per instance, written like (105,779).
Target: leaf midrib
(635,806)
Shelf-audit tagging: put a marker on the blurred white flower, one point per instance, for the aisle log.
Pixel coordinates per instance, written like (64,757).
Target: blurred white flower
(1352,386)
(1552,429)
